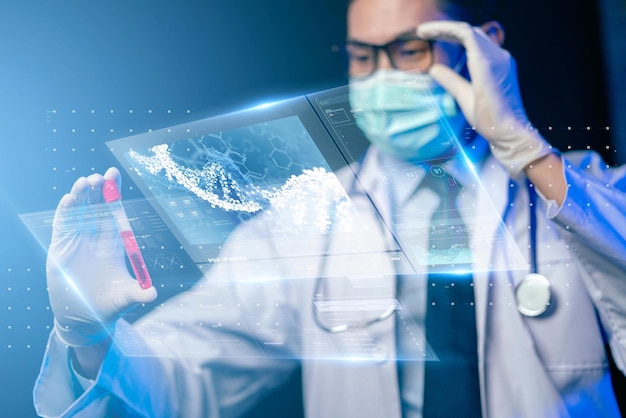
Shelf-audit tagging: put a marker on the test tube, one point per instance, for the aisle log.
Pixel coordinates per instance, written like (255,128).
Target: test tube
(112,197)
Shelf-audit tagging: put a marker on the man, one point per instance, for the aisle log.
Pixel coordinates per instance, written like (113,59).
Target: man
(552,364)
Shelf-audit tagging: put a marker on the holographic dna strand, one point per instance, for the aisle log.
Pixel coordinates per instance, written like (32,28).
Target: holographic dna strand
(312,200)
(202,183)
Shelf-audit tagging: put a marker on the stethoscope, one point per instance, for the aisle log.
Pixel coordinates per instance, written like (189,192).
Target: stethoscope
(532,294)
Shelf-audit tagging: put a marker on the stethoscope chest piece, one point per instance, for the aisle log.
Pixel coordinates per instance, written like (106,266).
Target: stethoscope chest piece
(533,295)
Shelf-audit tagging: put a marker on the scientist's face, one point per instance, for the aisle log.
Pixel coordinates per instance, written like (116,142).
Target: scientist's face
(379,22)
(400,110)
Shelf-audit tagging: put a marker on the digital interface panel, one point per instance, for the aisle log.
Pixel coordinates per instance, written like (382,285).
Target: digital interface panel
(208,177)
(209,184)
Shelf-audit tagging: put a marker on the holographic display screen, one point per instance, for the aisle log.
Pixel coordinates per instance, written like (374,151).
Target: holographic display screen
(207,177)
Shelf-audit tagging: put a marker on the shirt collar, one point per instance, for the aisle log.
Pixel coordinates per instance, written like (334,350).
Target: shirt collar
(403,178)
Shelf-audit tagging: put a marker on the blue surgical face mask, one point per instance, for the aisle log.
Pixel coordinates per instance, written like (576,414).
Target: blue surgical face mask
(406,114)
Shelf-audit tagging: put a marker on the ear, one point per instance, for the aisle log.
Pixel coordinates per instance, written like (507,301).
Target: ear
(494,31)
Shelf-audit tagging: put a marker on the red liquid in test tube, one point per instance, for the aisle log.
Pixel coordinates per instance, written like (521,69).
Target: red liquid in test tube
(112,197)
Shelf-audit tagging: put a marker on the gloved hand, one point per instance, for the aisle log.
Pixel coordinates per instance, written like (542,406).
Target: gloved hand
(88,283)
(491,102)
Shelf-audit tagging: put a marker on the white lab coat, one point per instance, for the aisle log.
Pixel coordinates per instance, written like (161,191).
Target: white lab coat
(198,355)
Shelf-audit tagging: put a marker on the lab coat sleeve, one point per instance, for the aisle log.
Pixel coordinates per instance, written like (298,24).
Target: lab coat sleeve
(124,387)
(200,354)
(593,221)
(136,382)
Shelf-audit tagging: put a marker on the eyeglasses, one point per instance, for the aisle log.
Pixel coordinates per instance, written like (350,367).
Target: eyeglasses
(407,52)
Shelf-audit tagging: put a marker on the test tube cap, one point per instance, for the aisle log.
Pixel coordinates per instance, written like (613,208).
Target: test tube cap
(110,192)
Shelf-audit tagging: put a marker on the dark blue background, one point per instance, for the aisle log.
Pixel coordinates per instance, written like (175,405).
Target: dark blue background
(70,67)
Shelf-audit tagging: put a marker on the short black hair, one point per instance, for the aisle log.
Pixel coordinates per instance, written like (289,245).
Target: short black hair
(475,12)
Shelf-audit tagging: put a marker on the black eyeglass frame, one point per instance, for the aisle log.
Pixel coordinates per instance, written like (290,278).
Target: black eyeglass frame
(376,48)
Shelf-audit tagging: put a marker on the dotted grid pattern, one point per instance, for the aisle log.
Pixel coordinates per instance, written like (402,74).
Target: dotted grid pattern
(69,143)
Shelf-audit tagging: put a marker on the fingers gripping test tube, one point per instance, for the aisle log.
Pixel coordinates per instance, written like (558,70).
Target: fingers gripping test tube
(112,197)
